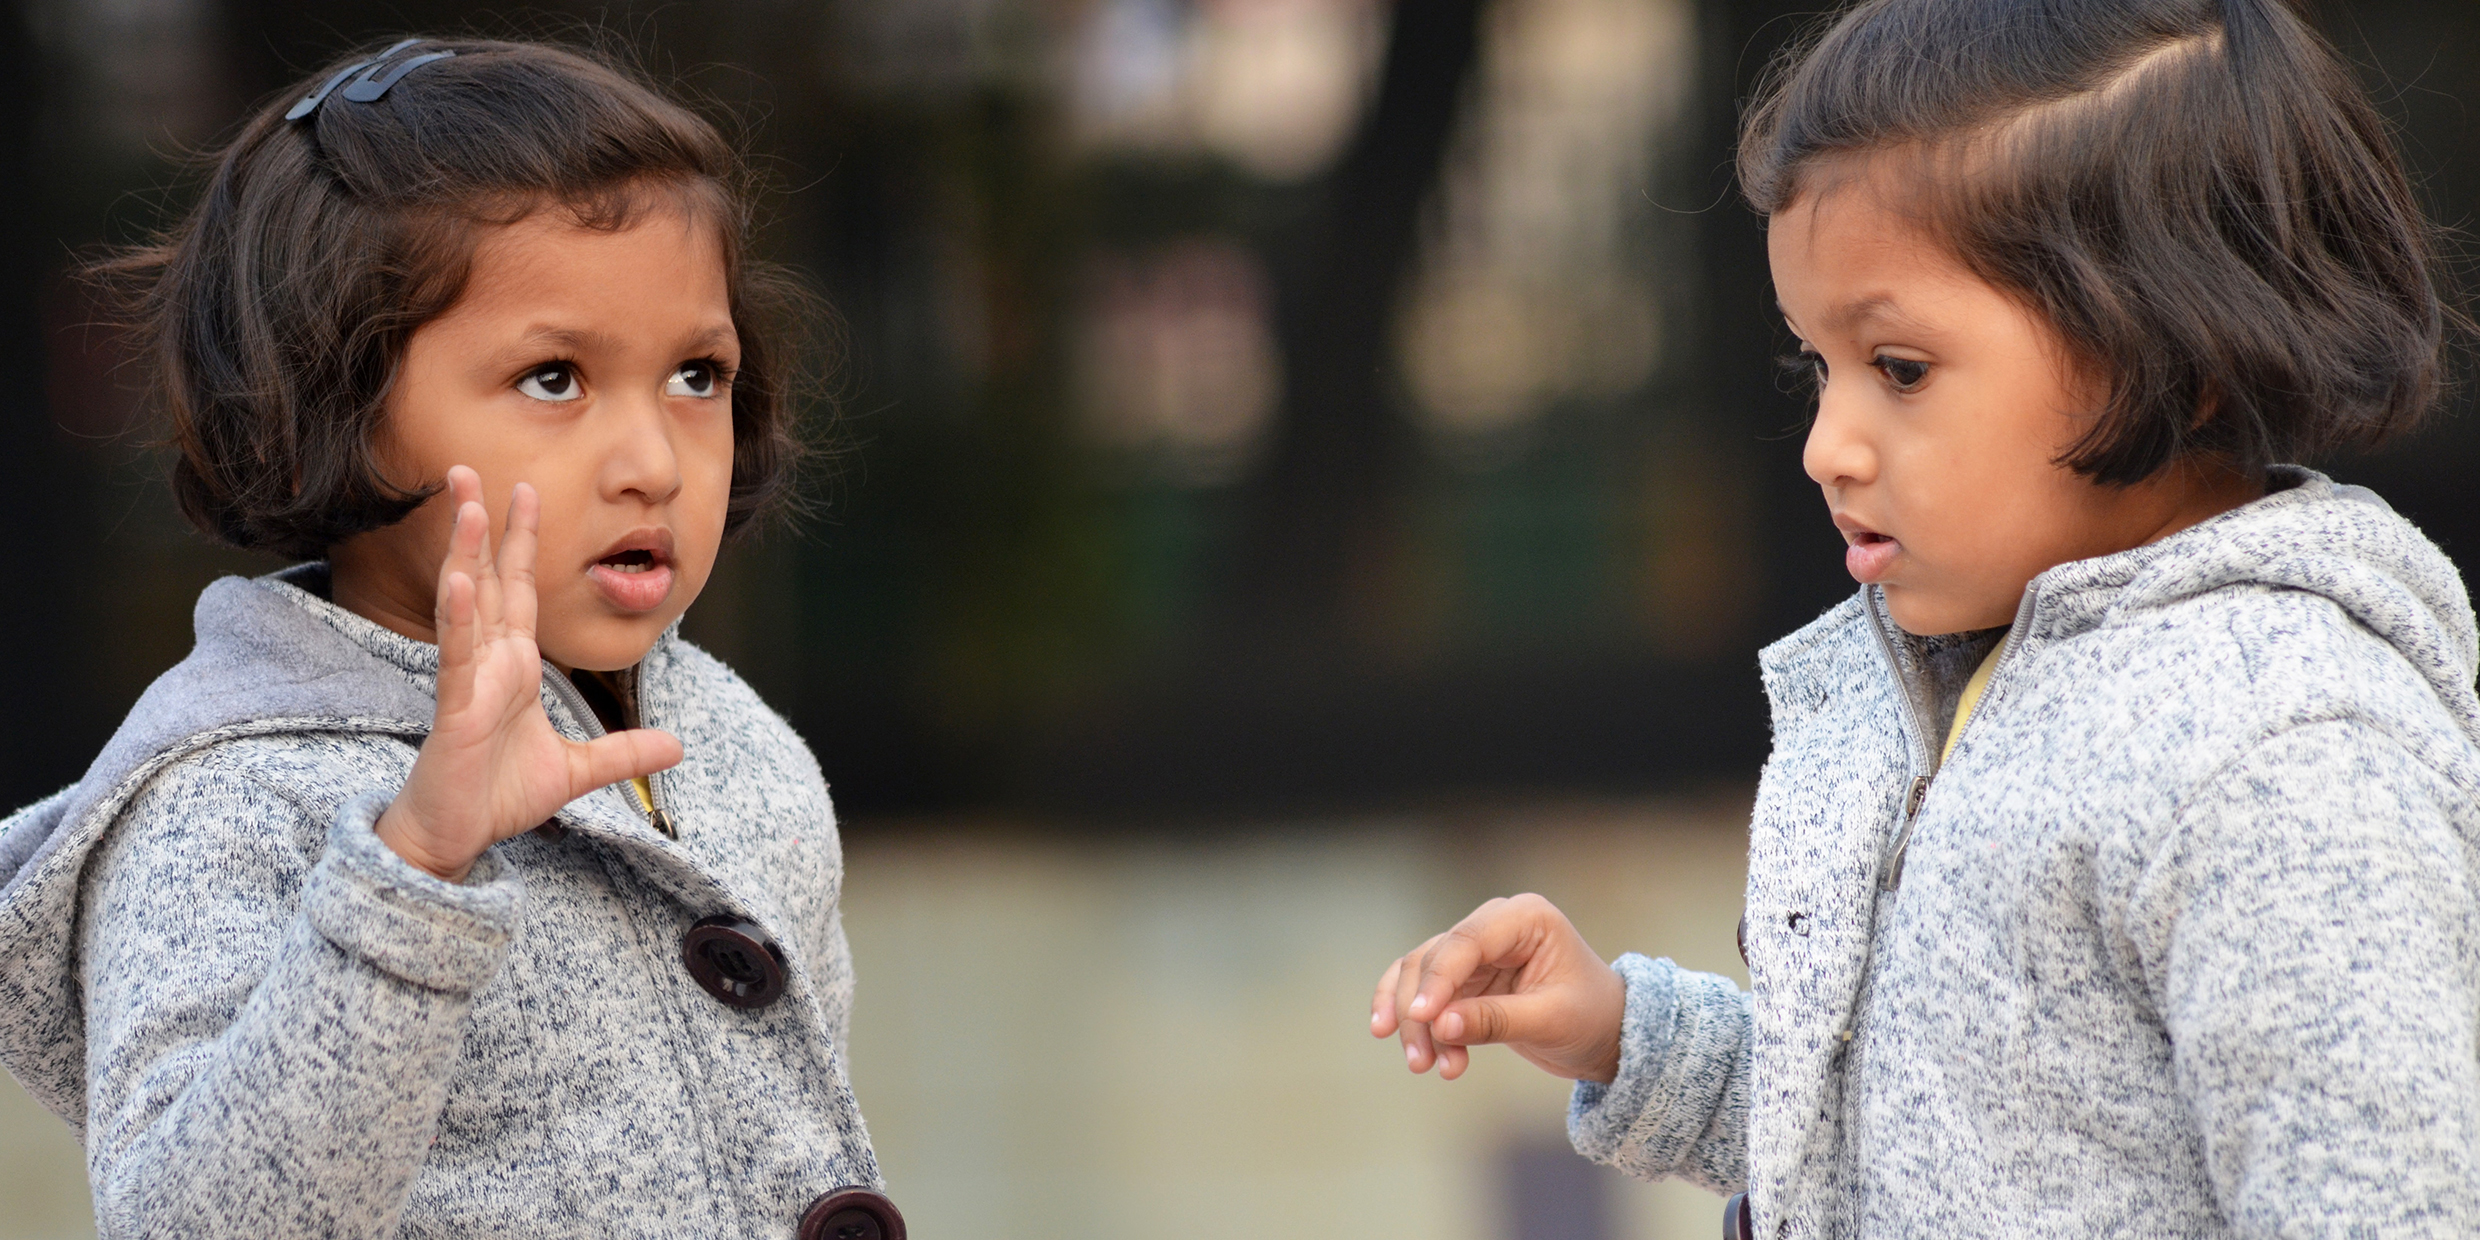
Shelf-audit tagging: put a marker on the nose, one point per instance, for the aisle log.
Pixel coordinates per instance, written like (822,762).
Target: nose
(1838,452)
(640,459)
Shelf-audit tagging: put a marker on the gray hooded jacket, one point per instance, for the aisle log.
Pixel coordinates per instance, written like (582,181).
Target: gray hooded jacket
(2184,941)
(263,1023)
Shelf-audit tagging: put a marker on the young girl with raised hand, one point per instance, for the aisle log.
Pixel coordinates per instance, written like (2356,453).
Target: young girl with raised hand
(2114,871)
(444,890)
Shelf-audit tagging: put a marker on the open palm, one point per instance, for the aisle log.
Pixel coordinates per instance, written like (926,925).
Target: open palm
(493,766)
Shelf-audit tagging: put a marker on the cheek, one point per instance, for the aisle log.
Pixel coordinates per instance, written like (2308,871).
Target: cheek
(707,467)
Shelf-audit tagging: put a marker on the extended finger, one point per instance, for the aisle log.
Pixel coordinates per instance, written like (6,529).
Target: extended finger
(619,756)
(463,530)
(456,635)
(516,559)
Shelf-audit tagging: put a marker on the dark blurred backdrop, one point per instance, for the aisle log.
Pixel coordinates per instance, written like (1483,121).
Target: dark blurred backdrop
(1245,405)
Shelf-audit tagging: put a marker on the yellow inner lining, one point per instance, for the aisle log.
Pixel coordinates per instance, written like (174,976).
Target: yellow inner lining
(1971,698)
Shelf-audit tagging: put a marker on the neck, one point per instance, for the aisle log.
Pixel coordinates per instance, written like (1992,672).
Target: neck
(358,585)
(2196,490)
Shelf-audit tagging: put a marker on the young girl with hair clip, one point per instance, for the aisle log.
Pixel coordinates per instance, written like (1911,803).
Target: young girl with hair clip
(2114,872)
(443,890)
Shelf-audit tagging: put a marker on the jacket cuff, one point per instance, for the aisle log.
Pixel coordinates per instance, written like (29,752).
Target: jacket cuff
(380,908)
(1600,1117)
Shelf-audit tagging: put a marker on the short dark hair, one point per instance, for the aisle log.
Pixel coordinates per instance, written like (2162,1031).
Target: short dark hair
(2196,194)
(278,311)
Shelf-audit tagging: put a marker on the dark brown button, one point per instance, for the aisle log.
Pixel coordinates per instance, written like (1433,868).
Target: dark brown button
(734,961)
(1736,1223)
(852,1214)
(1743,938)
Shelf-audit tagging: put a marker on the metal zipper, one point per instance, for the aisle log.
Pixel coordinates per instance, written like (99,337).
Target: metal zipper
(566,690)
(656,815)
(1924,758)
(1927,758)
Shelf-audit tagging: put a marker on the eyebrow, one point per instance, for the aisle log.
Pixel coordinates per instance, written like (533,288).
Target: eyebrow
(1843,318)
(585,340)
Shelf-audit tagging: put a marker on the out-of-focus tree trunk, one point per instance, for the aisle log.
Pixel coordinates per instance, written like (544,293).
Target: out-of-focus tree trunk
(1341,451)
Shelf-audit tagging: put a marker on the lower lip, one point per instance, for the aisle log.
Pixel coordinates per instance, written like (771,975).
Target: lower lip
(1869,561)
(643,590)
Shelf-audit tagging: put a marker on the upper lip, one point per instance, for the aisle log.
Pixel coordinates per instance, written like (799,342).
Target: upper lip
(654,540)
(1854,530)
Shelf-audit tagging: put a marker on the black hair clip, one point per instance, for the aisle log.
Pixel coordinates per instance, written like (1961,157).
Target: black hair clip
(370,86)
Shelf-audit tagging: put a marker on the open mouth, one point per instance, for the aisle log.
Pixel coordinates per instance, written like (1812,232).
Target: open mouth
(636,573)
(1868,554)
(635,560)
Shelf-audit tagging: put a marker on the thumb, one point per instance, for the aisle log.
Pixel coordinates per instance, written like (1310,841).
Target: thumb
(621,755)
(1486,1019)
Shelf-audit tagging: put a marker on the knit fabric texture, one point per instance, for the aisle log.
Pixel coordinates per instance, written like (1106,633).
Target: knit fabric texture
(2182,938)
(264,1023)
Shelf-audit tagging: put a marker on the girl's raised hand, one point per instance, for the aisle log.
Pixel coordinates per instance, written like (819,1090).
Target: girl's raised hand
(493,766)
(1514,971)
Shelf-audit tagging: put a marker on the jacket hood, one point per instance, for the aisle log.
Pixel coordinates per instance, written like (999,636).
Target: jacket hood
(271,657)
(2308,533)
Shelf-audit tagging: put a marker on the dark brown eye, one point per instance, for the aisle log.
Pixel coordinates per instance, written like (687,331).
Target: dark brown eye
(693,379)
(1904,373)
(556,383)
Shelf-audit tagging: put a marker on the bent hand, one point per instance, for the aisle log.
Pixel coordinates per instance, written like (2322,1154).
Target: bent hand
(1514,971)
(493,766)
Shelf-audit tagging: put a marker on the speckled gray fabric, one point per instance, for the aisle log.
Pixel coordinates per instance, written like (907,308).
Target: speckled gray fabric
(266,1024)
(2184,939)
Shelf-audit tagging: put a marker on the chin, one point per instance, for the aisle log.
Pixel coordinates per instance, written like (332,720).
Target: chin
(1920,617)
(610,647)
(1935,617)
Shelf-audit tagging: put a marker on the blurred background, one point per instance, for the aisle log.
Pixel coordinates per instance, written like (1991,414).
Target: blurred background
(1301,467)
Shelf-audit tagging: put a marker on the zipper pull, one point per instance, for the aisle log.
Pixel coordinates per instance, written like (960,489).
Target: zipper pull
(662,822)
(1893,881)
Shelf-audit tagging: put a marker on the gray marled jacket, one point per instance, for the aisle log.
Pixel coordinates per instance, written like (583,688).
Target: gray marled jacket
(2185,939)
(265,1024)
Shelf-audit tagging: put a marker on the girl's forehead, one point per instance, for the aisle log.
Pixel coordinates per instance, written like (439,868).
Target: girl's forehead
(548,281)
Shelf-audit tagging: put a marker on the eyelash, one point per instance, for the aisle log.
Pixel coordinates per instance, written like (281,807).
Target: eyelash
(1887,365)
(723,374)
(1805,368)
(1810,368)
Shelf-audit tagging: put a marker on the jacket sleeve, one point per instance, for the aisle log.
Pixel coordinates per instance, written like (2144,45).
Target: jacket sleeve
(1679,1104)
(271,1025)
(2308,933)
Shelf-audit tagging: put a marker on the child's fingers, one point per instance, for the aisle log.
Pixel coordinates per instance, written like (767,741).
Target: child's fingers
(1408,978)
(478,558)
(456,632)
(1420,1050)
(1451,961)
(516,559)
(1501,932)
(1486,1019)
(1452,1060)
(1386,1007)
(466,530)
(621,755)
(1382,1004)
